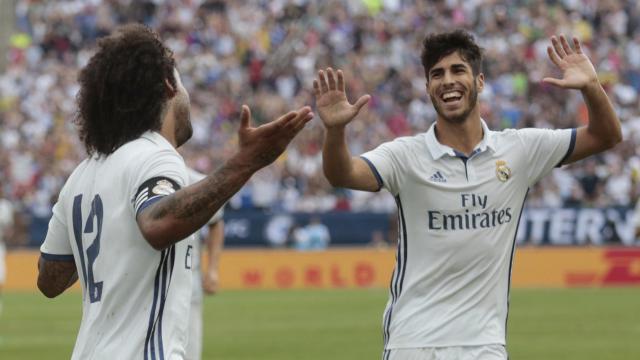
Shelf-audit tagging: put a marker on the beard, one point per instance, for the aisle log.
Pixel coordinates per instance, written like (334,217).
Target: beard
(458,119)
(183,127)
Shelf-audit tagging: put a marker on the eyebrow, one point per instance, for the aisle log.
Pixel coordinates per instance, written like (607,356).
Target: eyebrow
(453,66)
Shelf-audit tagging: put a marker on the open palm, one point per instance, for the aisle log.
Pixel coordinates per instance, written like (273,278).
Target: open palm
(331,99)
(577,69)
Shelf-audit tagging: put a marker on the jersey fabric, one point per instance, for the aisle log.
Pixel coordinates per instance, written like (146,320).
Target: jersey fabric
(482,352)
(194,346)
(458,218)
(135,299)
(6,221)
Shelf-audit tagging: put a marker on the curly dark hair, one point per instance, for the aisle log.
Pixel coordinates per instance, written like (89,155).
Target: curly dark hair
(437,46)
(122,89)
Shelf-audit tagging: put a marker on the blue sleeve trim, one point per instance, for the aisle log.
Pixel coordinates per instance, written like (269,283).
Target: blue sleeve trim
(572,144)
(148,203)
(55,257)
(374,171)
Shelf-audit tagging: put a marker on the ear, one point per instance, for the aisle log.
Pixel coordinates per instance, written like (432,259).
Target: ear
(480,82)
(171,91)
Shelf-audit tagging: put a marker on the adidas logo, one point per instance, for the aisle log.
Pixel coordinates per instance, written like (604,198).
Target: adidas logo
(438,177)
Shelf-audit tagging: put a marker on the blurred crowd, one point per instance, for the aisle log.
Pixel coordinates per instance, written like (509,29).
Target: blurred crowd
(265,54)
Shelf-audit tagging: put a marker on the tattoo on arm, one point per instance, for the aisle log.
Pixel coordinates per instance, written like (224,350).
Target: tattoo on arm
(56,276)
(178,215)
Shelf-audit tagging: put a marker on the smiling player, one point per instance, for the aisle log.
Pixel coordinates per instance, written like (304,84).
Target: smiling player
(460,189)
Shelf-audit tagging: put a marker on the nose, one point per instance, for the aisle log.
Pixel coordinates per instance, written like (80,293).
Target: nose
(447,78)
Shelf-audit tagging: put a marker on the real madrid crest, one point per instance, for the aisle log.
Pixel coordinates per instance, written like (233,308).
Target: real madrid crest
(502,170)
(163,187)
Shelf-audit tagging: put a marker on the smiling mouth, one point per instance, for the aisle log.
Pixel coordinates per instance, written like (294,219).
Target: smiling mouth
(451,97)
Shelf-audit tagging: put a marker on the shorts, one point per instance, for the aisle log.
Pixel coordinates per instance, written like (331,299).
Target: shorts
(482,352)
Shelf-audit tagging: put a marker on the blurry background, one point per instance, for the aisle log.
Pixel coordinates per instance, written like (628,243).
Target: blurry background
(265,54)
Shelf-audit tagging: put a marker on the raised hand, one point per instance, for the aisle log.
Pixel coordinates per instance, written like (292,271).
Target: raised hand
(260,146)
(331,99)
(577,70)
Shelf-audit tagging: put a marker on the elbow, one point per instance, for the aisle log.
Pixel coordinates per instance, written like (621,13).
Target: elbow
(47,291)
(153,238)
(612,141)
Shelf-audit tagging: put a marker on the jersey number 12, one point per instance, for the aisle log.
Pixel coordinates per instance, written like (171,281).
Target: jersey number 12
(94,289)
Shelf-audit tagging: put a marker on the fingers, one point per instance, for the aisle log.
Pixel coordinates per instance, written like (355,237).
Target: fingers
(323,82)
(577,46)
(565,45)
(557,47)
(328,80)
(361,102)
(341,81)
(553,56)
(554,81)
(332,79)
(245,117)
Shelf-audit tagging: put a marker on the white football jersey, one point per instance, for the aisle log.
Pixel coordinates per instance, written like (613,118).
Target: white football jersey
(136,299)
(458,219)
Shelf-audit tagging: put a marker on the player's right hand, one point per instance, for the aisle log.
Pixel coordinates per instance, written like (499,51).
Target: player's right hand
(262,145)
(331,99)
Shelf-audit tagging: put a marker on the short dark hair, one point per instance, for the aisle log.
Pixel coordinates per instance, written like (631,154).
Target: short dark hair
(437,46)
(122,89)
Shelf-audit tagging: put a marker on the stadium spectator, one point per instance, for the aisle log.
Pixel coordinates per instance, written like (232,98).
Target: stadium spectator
(264,50)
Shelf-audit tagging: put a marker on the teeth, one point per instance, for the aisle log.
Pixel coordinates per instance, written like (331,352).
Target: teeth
(451,94)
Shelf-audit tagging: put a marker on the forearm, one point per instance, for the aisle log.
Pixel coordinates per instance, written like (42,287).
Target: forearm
(336,158)
(179,215)
(603,122)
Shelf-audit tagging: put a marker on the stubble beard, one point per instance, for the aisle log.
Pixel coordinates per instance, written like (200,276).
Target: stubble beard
(183,129)
(458,119)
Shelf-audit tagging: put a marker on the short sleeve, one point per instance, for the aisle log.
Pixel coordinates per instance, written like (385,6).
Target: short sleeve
(162,174)
(57,245)
(545,149)
(386,164)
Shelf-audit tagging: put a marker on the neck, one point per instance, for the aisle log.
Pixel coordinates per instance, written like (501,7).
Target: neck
(462,137)
(168,131)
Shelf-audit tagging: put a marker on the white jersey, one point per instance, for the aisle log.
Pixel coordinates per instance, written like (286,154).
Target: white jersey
(458,219)
(136,299)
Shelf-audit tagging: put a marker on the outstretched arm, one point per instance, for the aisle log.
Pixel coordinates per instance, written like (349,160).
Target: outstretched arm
(603,131)
(182,213)
(340,168)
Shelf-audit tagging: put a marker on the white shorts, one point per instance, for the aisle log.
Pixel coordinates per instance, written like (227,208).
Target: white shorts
(483,352)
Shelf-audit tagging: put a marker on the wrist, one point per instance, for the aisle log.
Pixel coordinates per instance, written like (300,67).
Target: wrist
(592,86)
(336,130)
(242,164)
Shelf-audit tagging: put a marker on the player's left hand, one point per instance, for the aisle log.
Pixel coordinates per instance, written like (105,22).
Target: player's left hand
(577,70)
(210,282)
